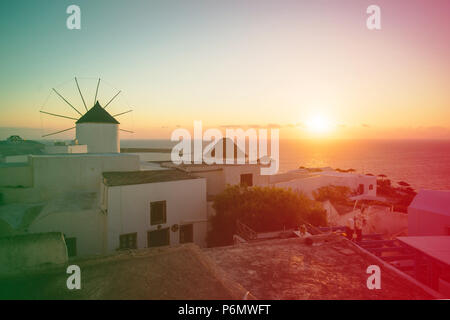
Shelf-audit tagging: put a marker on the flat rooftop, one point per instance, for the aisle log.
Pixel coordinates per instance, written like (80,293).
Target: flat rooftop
(151,274)
(437,247)
(122,178)
(290,269)
(82,155)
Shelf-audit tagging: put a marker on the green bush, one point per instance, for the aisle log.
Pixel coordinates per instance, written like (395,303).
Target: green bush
(263,209)
(335,194)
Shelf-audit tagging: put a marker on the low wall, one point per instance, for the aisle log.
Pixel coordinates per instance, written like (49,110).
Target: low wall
(16,175)
(31,251)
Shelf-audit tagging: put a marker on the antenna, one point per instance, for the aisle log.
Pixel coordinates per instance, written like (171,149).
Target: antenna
(67,102)
(112,99)
(50,134)
(76,81)
(96,91)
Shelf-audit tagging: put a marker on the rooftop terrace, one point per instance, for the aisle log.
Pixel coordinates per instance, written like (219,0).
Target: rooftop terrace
(141,177)
(289,269)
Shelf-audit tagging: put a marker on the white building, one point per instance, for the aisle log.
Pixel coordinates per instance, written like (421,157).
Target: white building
(65,148)
(219,176)
(306,181)
(134,209)
(429,214)
(101,200)
(154,208)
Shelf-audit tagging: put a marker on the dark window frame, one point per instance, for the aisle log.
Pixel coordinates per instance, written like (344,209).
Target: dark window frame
(158,230)
(124,241)
(244,179)
(163,220)
(191,232)
(71,245)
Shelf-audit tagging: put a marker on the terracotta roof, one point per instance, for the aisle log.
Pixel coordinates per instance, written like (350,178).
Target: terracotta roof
(289,269)
(97,114)
(122,178)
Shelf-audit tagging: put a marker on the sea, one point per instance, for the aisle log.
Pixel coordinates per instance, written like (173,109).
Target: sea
(424,164)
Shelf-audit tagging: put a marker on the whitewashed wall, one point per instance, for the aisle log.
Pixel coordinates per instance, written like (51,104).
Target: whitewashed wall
(99,137)
(87,226)
(129,209)
(233,174)
(66,149)
(310,184)
(81,172)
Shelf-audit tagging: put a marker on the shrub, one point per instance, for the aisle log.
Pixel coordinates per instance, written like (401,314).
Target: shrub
(263,209)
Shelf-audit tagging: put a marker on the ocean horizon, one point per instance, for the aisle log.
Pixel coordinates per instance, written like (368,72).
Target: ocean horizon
(424,164)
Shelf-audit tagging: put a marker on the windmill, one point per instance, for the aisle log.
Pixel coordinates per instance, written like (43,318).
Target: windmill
(94,125)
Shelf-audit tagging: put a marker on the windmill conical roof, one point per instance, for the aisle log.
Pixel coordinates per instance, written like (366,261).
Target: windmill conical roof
(97,114)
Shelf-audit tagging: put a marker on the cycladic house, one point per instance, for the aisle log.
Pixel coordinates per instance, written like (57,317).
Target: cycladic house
(101,200)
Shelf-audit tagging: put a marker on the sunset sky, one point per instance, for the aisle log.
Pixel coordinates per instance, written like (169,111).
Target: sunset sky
(310,67)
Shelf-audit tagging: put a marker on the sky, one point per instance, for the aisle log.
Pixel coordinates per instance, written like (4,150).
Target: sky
(311,68)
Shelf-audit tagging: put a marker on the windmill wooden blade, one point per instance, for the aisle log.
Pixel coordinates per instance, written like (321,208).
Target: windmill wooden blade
(126,130)
(119,114)
(50,134)
(58,115)
(76,81)
(112,99)
(67,102)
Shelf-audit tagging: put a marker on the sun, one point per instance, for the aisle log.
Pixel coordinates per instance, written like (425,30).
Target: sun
(318,124)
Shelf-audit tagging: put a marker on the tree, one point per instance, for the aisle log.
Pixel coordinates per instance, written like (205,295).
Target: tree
(263,209)
(335,194)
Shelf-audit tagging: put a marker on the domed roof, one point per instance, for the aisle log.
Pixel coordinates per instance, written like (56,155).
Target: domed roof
(97,114)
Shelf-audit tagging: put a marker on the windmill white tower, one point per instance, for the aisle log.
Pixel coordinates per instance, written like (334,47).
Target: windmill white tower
(96,128)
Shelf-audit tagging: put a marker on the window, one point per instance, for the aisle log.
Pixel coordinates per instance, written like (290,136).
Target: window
(186,233)
(158,238)
(371,187)
(71,244)
(128,241)
(247,179)
(360,189)
(157,212)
